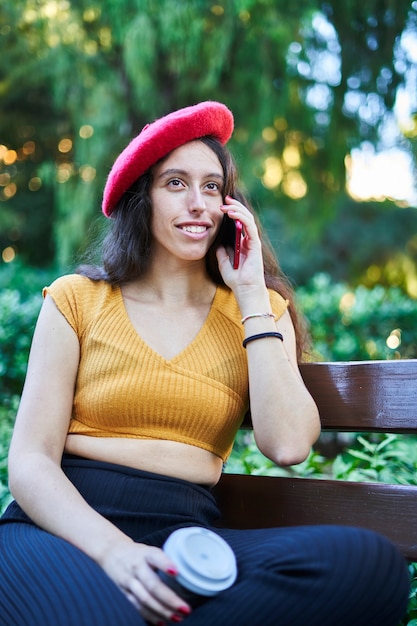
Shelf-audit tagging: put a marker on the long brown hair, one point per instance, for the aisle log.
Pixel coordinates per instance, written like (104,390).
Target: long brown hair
(127,248)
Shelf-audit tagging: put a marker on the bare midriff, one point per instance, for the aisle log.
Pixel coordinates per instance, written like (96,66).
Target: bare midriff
(169,458)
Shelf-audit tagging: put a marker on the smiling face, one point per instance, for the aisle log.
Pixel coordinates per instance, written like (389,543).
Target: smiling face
(186,194)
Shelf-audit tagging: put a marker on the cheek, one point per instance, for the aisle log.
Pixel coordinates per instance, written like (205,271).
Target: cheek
(157,226)
(217,214)
(219,226)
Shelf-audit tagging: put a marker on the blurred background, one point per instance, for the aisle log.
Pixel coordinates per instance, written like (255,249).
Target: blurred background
(325,102)
(324,96)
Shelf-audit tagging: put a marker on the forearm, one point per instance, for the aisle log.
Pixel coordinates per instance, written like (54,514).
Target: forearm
(284,416)
(51,501)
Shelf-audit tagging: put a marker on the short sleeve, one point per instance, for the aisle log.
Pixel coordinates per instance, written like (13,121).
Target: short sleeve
(65,292)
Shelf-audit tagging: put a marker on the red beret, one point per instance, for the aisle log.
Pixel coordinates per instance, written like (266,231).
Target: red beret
(161,137)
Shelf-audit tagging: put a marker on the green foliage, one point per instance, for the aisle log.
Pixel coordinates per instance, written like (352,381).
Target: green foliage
(8,410)
(27,281)
(382,458)
(411,618)
(20,302)
(246,459)
(16,329)
(369,242)
(358,323)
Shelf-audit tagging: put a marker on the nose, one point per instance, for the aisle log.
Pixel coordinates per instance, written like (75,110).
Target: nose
(196,200)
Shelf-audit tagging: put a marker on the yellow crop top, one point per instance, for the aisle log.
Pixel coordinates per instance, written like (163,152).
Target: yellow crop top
(125,389)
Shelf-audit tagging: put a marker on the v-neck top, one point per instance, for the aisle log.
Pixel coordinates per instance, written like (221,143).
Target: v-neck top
(126,389)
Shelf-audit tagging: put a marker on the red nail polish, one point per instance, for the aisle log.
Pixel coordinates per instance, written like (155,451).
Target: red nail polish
(185,610)
(176,618)
(172,571)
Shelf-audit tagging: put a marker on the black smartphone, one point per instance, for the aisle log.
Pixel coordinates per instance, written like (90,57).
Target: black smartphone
(238,239)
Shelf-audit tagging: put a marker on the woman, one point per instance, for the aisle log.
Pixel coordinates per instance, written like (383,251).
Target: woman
(136,385)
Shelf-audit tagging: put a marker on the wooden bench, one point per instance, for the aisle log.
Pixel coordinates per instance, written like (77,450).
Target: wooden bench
(365,396)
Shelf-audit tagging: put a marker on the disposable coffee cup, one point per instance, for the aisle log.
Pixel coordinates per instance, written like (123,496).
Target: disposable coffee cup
(206,564)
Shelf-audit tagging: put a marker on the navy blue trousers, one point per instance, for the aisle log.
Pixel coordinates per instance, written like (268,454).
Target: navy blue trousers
(318,575)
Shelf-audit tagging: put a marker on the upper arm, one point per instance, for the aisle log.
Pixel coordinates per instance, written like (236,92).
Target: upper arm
(46,404)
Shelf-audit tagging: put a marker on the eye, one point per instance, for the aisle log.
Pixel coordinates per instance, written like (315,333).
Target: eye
(212,186)
(175,182)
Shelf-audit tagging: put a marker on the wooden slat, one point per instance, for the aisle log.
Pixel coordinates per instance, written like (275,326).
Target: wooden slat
(369,395)
(359,396)
(265,502)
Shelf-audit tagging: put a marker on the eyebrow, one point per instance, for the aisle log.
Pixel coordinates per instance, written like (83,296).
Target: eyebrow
(179,172)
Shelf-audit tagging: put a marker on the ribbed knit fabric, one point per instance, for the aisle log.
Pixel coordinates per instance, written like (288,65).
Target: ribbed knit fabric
(125,389)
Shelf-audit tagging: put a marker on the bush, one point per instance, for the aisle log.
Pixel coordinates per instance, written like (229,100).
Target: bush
(26,280)
(17,321)
(358,324)
(20,302)
(7,413)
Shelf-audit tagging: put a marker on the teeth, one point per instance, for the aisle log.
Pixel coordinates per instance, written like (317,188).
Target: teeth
(195,229)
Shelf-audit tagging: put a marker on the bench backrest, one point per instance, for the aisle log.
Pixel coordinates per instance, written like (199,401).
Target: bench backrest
(365,396)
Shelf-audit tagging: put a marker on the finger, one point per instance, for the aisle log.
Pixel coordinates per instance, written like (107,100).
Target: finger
(132,599)
(157,559)
(241,213)
(229,201)
(150,609)
(149,616)
(156,597)
(224,259)
(230,204)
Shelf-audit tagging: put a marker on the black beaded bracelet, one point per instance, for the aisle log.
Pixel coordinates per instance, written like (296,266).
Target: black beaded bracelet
(261,336)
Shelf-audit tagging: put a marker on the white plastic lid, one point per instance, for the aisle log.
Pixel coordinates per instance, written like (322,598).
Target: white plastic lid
(205,562)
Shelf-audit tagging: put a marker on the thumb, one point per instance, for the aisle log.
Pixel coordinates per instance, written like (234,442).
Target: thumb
(222,257)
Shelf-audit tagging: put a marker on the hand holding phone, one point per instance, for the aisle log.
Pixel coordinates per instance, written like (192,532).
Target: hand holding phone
(238,239)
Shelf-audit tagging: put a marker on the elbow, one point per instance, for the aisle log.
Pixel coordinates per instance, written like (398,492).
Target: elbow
(15,478)
(293,457)
(294,446)
(14,485)
(289,455)
(23,469)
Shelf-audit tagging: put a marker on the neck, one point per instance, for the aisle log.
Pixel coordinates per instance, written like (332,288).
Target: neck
(189,285)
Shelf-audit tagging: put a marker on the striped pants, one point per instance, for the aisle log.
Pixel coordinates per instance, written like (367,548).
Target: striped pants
(318,575)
